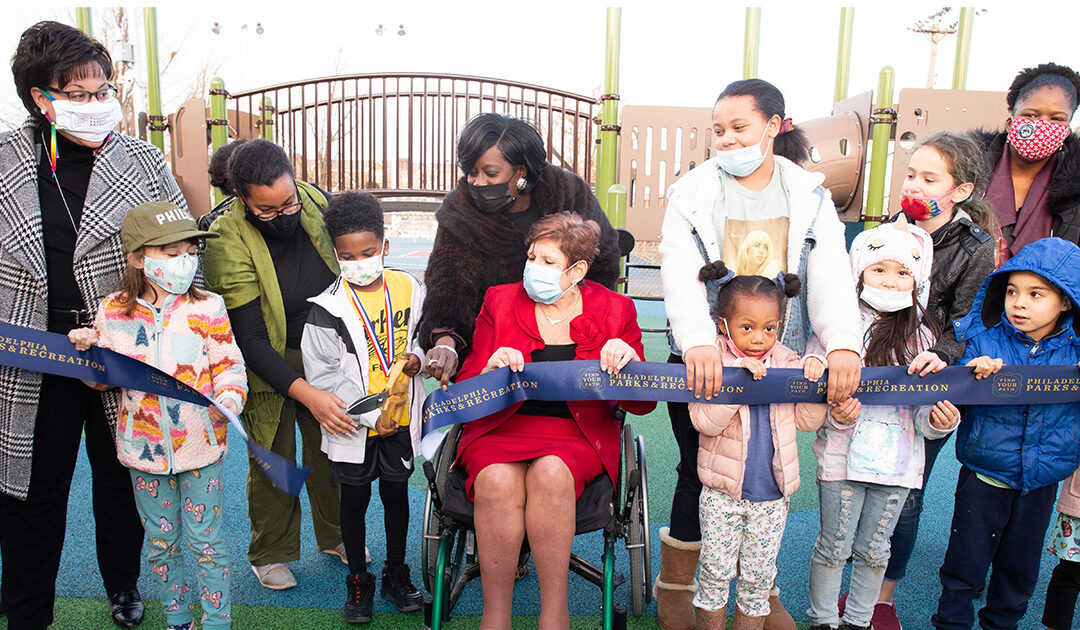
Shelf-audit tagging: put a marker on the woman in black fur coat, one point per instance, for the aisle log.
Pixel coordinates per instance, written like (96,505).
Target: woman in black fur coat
(1034,165)
(480,242)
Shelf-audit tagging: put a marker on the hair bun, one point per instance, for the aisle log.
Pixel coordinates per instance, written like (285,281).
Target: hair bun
(712,271)
(792,285)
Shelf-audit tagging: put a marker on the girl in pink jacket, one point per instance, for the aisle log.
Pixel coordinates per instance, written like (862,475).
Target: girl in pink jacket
(175,450)
(748,460)
(1064,584)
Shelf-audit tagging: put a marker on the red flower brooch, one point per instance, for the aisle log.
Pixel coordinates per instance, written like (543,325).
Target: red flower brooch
(586,332)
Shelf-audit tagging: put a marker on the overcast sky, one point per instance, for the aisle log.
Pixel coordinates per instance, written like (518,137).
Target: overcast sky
(673,53)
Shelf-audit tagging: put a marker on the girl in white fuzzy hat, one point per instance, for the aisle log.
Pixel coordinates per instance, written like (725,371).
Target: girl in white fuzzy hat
(869,457)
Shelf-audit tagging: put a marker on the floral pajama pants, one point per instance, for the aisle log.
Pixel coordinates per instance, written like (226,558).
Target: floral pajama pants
(191,501)
(738,538)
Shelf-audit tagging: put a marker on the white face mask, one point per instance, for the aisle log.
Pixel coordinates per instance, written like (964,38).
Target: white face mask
(90,122)
(362,272)
(742,162)
(886,300)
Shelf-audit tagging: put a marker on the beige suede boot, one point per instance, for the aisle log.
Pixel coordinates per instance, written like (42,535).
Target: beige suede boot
(675,587)
(711,619)
(778,618)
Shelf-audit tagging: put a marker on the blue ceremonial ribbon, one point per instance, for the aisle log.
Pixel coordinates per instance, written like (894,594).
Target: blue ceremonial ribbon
(490,393)
(51,353)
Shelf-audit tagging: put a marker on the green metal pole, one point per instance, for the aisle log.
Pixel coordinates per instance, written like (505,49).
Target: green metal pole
(83,20)
(879,150)
(219,133)
(843,54)
(963,47)
(266,115)
(608,151)
(153,79)
(609,584)
(751,40)
(616,212)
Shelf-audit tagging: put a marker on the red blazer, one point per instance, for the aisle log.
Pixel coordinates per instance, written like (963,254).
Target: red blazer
(508,319)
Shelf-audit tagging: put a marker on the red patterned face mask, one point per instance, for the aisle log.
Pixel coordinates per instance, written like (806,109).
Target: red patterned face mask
(1037,140)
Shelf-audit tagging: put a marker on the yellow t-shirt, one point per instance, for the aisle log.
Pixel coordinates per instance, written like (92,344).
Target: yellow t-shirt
(374,305)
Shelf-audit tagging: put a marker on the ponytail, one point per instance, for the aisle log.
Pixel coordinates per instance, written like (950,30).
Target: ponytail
(791,142)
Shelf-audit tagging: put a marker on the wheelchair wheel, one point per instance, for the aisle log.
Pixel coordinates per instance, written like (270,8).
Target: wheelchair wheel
(429,548)
(637,532)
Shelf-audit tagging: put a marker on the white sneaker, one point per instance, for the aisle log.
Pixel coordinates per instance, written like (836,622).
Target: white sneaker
(339,551)
(275,576)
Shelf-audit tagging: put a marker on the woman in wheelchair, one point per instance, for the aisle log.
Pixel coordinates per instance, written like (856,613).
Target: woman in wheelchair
(528,464)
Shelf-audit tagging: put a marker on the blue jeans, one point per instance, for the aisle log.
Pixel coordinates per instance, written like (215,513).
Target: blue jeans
(856,518)
(999,528)
(907,528)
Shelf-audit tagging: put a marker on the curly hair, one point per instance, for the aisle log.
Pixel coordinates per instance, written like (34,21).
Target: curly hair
(353,211)
(219,167)
(1045,74)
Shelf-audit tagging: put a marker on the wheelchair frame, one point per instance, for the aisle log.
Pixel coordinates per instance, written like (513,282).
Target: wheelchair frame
(449,558)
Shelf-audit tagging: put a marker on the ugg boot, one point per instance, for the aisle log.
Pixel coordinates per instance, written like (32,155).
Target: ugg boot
(778,618)
(744,621)
(675,587)
(711,619)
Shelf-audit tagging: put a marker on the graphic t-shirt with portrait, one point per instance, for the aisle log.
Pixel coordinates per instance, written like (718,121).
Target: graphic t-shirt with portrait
(753,239)
(373,302)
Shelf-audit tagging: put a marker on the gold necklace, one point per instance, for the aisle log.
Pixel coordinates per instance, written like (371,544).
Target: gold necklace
(553,321)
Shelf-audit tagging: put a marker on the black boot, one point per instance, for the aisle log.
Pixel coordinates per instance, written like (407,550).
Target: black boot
(127,608)
(358,604)
(398,589)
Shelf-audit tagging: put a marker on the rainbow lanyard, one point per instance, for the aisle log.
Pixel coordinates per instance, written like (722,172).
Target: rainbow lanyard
(386,359)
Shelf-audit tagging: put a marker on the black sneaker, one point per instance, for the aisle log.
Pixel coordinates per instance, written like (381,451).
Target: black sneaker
(358,603)
(398,589)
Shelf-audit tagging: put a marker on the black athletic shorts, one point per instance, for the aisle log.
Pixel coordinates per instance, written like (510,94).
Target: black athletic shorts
(389,458)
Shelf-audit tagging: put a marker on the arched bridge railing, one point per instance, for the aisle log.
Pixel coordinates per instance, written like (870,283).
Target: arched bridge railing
(397,132)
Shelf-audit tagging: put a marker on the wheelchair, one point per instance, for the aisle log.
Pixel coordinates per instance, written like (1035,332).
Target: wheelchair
(620,511)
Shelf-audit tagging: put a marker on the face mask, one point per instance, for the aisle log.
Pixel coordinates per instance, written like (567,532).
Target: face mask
(90,122)
(1037,140)
(886,301)
(542,283)
(362,272)
(924,208)
(742,162)
(491,199)
(279,228)
(172,274)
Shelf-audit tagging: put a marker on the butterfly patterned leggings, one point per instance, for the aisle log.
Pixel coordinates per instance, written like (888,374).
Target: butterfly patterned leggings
(194,499)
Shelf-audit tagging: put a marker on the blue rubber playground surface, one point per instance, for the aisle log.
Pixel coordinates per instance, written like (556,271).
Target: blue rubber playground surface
(322,578)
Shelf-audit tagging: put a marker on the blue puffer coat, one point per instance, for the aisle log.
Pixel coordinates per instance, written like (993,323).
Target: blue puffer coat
(1025,446)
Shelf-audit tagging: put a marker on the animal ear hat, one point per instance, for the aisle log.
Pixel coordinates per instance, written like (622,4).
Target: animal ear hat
(898,240)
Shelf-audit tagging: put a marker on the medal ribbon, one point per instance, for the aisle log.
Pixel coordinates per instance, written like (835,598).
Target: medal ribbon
(386,359)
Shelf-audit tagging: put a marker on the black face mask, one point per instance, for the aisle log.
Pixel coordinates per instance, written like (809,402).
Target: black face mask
(279,228)
(491,199)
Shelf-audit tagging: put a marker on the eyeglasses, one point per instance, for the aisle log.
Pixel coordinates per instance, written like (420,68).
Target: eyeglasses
(103,95)
(273,213)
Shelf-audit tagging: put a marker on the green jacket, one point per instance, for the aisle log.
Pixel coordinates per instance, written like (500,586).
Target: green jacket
(239,268)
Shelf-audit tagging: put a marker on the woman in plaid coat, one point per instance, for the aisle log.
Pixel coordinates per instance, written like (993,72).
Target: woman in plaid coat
(66,182)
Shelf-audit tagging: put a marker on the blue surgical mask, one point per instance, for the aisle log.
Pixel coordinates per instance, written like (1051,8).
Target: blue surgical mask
(172,274)
(742,162)
(542,283)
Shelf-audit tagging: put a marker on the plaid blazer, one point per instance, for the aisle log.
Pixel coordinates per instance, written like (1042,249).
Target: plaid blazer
(126,173)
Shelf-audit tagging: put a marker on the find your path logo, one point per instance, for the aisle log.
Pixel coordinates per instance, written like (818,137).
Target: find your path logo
(798,387)
(159,380)
(1006,385)
(590,379)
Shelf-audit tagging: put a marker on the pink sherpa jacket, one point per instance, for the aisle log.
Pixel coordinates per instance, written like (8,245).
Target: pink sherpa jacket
(1069,499)
(193,341)
(725,432)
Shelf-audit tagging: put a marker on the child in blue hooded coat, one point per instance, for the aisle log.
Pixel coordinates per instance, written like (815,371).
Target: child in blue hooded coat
(1013,456)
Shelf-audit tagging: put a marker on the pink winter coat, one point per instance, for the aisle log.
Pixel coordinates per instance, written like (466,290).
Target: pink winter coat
(1069,499)
(725,432)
